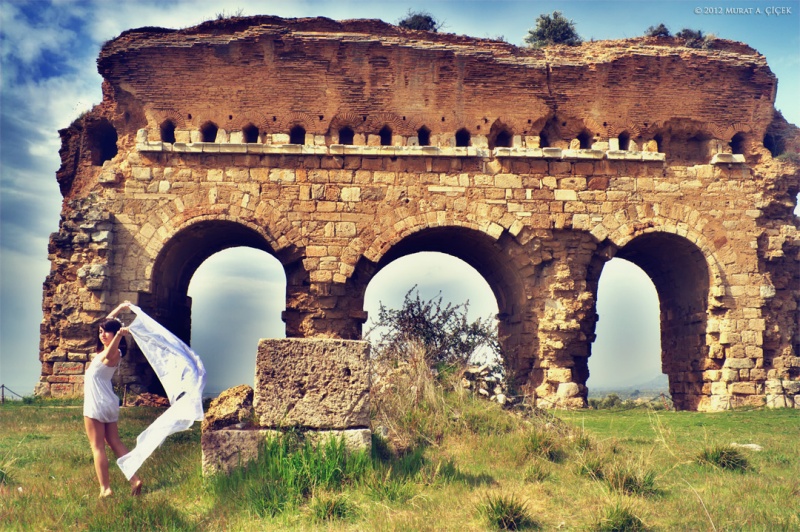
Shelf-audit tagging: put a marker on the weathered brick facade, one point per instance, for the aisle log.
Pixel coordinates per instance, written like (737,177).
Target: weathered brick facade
(341,146)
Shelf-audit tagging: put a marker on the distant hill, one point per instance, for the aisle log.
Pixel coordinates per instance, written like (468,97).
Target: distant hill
(655,386)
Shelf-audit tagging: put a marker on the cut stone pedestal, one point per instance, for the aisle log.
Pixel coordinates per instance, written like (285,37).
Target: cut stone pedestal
(319,386)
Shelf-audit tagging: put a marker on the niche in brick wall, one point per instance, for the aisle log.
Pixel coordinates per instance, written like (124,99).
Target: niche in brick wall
(386,136)
(462,138)
(346,136)
(102,141)
(499,136)
(585,140)
(424,136)
(250,134)
(738,143)
(208,132)
(624,141)
(297,135)
(167,131)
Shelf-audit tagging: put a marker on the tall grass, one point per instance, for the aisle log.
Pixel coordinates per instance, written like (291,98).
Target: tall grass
(439,468)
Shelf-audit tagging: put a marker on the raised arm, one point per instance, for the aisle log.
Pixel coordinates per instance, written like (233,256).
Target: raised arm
(113,314)
(111,354)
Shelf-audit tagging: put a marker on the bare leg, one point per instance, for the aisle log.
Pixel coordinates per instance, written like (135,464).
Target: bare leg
(95,430)
(112,437)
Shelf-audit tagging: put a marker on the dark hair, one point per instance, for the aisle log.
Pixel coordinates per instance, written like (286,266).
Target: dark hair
(112,325)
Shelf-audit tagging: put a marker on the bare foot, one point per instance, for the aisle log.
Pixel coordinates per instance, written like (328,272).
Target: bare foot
(105,493)
(136,487)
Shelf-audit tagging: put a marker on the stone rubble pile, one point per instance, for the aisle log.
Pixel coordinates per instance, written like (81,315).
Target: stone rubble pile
(486,383)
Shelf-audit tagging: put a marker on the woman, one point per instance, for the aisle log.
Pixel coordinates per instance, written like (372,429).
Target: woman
(101,404)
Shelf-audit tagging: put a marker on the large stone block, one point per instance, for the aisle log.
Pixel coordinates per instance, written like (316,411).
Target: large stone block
(320,383)
(225,450)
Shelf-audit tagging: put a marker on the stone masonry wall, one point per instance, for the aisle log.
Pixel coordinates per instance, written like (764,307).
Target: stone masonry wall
(339,147)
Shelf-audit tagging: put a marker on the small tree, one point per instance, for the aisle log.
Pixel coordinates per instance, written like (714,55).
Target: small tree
(420,20)
(442,330)
(658,31)
(555,29)
(694,38)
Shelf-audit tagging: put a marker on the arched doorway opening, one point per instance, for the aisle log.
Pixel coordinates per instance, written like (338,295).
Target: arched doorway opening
(174,269)
(237,298)
(680,274)
(432,275)
(503,266)
(626,352)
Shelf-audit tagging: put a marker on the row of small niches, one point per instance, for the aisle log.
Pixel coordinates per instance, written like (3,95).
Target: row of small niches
(417,151)
(399,151)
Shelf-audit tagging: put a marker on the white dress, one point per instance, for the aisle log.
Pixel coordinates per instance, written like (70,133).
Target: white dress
(99,400)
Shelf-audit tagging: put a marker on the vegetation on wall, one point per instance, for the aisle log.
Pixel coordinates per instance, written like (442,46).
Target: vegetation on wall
(553,29)
(420,20)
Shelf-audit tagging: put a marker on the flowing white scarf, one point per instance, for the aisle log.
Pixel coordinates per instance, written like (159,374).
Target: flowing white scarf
(183,376)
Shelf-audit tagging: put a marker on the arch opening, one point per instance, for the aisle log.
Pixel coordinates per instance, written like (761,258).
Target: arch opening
(346,136)
(624,141)
(250,134)
(386,136)
(168,301)
(585,140)
(495,263)
(102,142)
(737,143)
(208,132)
(500,136)
(167,131)
(237,298)
(462,138)
(297,135)
(626,352)
(424,136)
(680,274)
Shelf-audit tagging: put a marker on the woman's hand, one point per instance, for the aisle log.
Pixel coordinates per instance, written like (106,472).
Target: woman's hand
(124,305)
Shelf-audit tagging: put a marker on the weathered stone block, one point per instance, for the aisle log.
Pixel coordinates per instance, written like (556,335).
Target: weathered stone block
(319,383)
(233,406)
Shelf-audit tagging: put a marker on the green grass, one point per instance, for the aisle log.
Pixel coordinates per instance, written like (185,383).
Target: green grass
(468,460)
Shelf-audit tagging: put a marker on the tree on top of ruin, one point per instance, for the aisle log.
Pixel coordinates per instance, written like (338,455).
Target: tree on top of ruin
(420,20)
(658,31)
(553,29)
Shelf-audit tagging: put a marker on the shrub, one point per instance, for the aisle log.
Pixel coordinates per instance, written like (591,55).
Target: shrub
(618,518)
(658,31)
(724,457)
(506,513)
(695,38)
(555,29)
(420,20)
(536,472)
(443,331)
(625,479)
(332,507)
(544,444)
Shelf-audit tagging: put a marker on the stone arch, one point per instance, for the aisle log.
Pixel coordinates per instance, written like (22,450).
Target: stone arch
(500,135)
(160,116)
(349,119)
(180,254)
(686,141)
(304,120)
(394,121)
(684,269)
(256,119)
(500,259)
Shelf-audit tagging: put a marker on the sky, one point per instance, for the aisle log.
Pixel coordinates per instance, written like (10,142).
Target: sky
(49,76)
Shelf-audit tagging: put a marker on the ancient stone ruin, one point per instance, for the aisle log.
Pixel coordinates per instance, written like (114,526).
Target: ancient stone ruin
(339,147)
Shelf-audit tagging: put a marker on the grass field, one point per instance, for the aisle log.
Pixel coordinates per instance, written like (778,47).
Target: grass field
(471,466)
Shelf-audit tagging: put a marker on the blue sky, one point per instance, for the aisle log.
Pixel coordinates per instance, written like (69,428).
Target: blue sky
(49,76)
